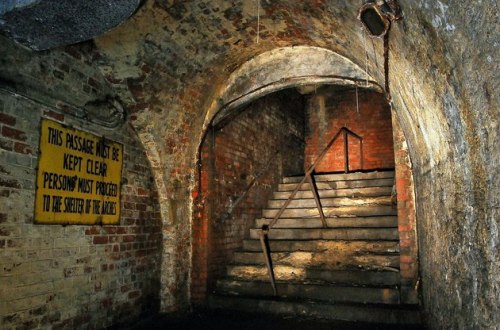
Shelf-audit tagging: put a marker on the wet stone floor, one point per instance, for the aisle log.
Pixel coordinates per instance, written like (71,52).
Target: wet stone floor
(228,320)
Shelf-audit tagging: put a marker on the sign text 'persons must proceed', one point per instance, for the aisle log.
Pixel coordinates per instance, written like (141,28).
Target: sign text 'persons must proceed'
(78,178)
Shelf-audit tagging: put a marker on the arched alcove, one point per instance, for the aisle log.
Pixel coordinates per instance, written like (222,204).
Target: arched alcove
(306,69)
(284,68)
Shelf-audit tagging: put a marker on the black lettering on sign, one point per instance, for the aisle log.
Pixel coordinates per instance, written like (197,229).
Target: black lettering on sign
(97,168)
(106,188)
(77,143)
(59,182)
(56,204)
(102,149)
(78,176)
(88,205)
(73,205)
(72,162)
(108,208)
(96,206)
(116,154)
(85,185)
(55,136)
(46,203)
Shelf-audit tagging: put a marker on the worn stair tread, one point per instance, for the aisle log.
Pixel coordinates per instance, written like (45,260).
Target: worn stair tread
(347,192)
(337,222)
(342,211)
(352,264)
(343,176)
(333,234)
(330,202)
(339,184)
(322,245)
(371,313)
(371,277)
(323,259)
(332,293)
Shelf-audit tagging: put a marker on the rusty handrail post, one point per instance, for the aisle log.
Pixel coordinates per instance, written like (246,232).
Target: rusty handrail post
(346,152)
(284,206)
(257,176)
(263,233)
(267,256)
(308,172)
(317,200)
(361,154)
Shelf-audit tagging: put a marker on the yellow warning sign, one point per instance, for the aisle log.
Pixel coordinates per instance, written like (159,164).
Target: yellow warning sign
(78,178)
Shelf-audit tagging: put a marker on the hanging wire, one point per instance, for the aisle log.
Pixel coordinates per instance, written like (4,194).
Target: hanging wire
(357,99)
(258,20)
(386,67)
(366,57)
(366,50)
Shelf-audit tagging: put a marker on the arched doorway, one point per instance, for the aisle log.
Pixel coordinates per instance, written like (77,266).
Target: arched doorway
(223,183)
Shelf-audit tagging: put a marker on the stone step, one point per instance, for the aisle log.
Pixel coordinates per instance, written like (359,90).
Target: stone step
(339,184)
(379,222)
(384,314)
(330,293)
(329,260)
(314,275)
(297,203)
(322,245)
(343,176)
(330,193)
(341,211)
(348,234)
(322,259)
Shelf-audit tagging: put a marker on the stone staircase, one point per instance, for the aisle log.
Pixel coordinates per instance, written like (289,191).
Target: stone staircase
(348,271)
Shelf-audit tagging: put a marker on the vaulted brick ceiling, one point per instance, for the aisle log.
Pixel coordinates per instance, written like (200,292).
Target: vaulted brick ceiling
(169,63)
(171,58)
(171,44)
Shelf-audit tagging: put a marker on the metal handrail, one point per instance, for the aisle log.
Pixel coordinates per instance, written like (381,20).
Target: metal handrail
(348,132)
(263,233)
(256,177)
(312,167)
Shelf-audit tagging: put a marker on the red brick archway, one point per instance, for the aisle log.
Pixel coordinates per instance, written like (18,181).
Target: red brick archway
(242,90)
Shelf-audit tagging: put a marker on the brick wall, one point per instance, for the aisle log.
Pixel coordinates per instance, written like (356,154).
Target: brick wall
(74,276)
(328,111)
(384,147)
(407,222)
(231,157)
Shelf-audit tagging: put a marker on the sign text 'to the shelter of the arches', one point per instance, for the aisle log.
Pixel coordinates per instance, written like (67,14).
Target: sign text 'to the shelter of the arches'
(78,177)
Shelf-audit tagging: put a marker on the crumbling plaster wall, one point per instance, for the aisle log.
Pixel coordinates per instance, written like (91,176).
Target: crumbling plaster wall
(170,63)
(443,94)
